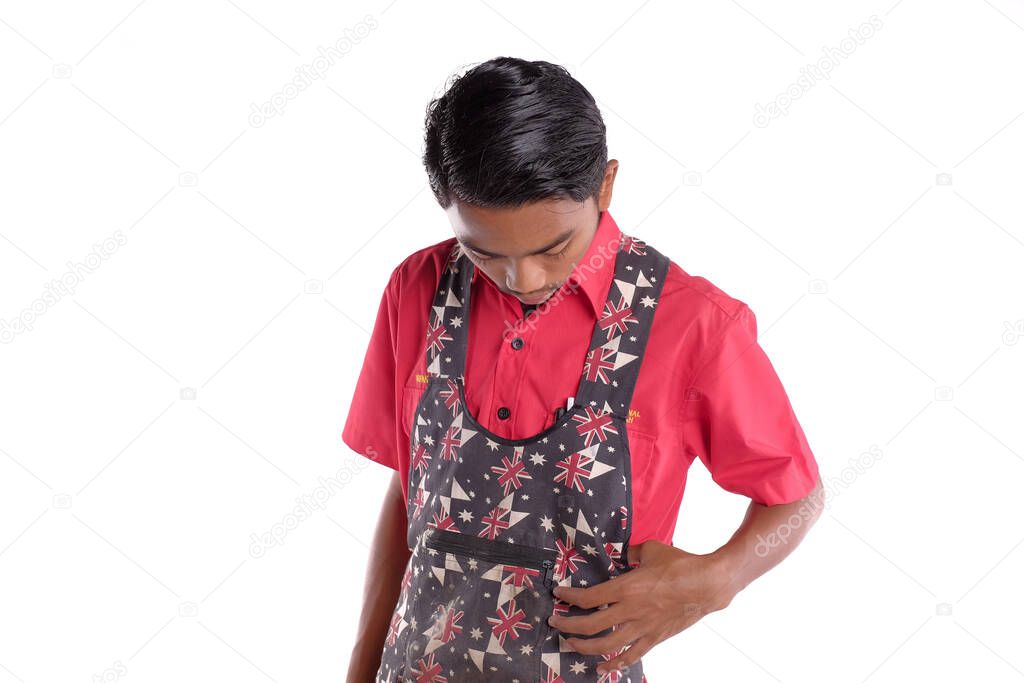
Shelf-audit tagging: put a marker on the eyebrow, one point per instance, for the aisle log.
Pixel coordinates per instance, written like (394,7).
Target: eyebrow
(561,238)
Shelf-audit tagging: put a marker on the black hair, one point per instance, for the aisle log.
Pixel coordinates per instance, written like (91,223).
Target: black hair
(509,131)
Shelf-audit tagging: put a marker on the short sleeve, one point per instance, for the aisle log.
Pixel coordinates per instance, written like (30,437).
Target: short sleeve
(370,426)
(738,420)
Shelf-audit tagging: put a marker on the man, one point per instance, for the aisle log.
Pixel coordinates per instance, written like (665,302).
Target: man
(540,383)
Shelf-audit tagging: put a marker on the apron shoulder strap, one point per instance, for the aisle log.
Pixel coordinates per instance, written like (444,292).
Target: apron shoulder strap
(448,320)
(620,334)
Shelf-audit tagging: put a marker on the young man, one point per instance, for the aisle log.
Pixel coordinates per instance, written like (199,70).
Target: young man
(541,383)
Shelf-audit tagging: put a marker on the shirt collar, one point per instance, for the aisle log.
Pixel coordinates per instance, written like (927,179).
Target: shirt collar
(593,273)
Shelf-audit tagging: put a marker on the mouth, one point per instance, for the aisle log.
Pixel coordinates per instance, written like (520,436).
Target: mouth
(536,299)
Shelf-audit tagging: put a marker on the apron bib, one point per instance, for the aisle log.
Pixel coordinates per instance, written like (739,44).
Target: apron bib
(496,523)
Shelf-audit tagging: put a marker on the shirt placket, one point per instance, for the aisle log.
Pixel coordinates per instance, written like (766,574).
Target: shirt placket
(518,335)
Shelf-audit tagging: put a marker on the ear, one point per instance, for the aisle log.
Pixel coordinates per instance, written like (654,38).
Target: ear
(604,196)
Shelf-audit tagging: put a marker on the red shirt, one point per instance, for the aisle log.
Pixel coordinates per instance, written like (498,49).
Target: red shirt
(705,390)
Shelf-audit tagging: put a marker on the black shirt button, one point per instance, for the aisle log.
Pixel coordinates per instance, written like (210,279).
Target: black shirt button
(503,413)
(518,343)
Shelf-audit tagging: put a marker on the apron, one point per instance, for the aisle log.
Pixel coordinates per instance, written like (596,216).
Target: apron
(496,523)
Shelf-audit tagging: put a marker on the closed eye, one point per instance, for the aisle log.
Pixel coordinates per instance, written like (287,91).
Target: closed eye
(559,254)
(479,256)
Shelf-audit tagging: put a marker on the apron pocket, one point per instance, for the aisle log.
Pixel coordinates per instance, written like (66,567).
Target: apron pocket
(481,608)
(540,560)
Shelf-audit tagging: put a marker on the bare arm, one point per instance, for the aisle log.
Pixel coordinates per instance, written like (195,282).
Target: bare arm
(766,536)
(389,553)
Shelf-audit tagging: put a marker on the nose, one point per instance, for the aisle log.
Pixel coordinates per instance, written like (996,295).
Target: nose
(525,277)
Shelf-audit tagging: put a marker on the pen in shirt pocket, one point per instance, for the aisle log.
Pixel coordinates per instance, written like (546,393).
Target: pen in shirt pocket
(568,405)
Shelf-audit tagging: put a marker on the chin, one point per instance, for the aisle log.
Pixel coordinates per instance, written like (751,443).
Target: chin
(539,300)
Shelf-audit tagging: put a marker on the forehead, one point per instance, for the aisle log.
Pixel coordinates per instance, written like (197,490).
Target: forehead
(515,231)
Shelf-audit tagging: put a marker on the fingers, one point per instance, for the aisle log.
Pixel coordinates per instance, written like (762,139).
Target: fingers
(613,643)
(628,657)
(595,622)
(610,591)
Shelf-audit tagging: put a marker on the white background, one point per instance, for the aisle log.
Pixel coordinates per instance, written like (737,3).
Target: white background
(889,301)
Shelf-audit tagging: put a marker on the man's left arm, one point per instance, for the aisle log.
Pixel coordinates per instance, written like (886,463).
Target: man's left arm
(738,420)
(672,589)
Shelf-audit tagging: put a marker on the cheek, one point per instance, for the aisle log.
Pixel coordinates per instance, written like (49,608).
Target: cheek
(494,272)
(565,266)
(559,274)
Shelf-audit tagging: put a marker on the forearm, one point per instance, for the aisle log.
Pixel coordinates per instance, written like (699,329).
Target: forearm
(767,535)
(389,553)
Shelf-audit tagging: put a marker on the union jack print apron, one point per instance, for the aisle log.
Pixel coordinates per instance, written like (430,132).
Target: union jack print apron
(496,523)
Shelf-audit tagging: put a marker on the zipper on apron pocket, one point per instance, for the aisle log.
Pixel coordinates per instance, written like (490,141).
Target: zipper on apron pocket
(542,559)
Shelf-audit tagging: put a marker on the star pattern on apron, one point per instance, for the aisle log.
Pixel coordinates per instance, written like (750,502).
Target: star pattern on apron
(496,523)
